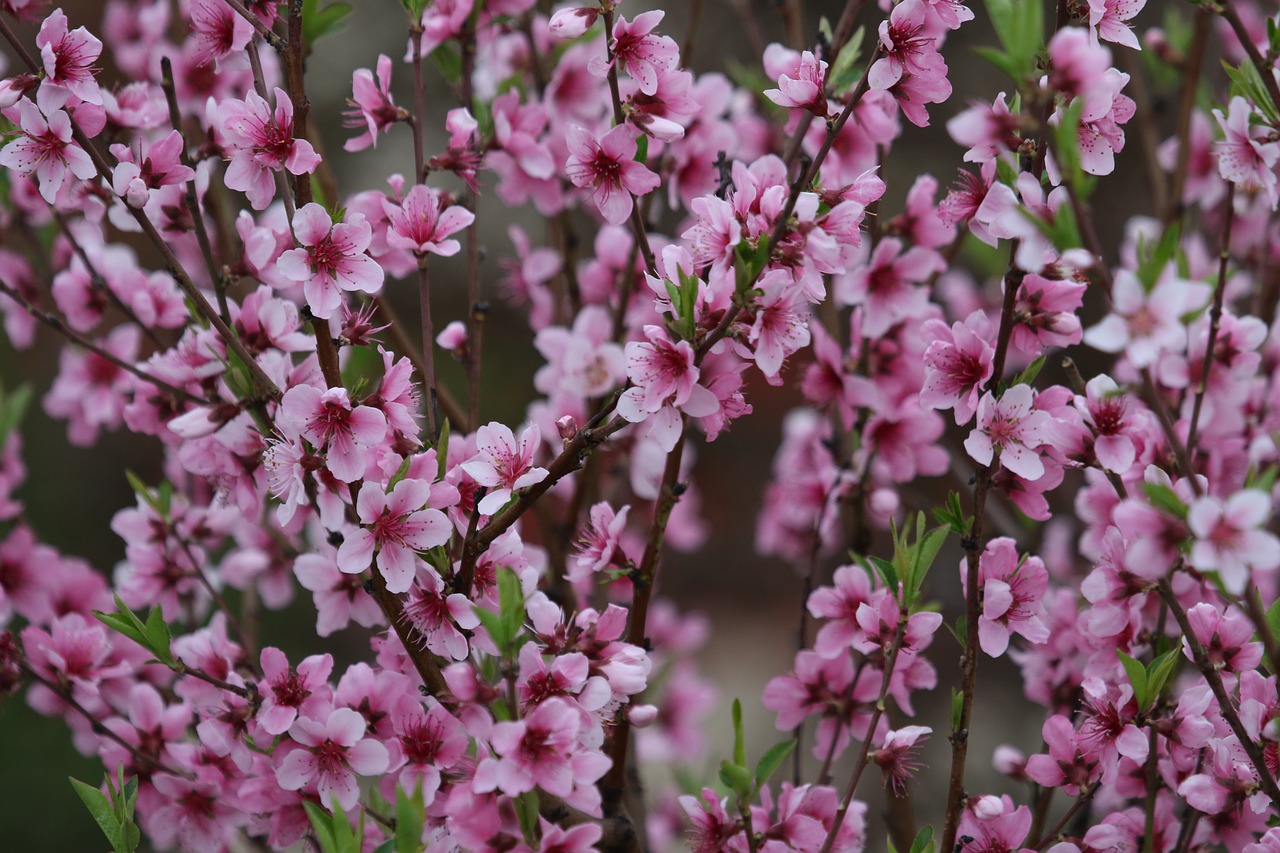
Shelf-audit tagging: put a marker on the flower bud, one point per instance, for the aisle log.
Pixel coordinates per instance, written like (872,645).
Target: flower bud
(571,23)
(988,807)
(12,89)
(453,337)
(642,715)
(568,427)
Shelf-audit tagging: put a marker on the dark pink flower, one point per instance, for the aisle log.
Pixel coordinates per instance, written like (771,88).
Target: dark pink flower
(1011,595)
(373,107)
(1012,426)
(395,524)
(328,420)
(644,55)
(419,225)
(259,140)
(45,149)
(67,57)
(287,692)
(608,166)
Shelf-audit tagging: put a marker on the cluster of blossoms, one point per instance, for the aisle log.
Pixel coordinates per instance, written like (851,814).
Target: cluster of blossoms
(173,222)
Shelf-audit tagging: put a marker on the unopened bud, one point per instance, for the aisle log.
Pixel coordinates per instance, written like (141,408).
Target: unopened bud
(642,715)
(12,89)
(988,807)
(568,428)
(571,23)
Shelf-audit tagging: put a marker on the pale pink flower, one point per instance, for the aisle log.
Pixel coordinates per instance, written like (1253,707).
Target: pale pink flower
(1227,637)
(258,140)
(339,597)
(1143,325)
(1012,426)
(1230,537)
(437,615)
(328,420)
(504,465)
(583,361)
(419,225)
(912,70)
(541,751)
(67,57)
(781,327)
(1246,156)
(45,149)
(330,259)
(1105,410)
(664,378)
(608,165)
(601,543)
(332,754)
(396,524)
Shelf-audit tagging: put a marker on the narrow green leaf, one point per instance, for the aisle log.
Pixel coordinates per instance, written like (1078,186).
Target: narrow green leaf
(409,820)
(103,815)
(1165,499)
(159,640)
(401,473)
(1137,677)
(739,737)
(442,450)
(772,760)
(642,149)
(1159,671)
(527,813)
(322,824)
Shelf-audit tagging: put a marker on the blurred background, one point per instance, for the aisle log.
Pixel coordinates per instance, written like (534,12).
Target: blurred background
(752,603)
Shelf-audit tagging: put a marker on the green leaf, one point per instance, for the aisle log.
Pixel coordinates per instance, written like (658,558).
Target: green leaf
(1066,145)
(1246,81)
(957,708)
(126,622)
(159,640)
(1019,24)
(414,8)
(739,738)
(401,473)
(1137,677)
(642,149)
(924,841)
(318,23)
(157,500)
(1001,60)
(888,574)
(13,406)
(409,820)
(844,72)
(1159,672)
(1029,374)
(322,824)
(1165,499)
(737,779)
(442,450)
(772,760)
(527,812)
(100,808)
(449,62)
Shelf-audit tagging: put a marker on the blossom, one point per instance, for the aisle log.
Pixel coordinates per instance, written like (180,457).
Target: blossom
(1145,324)
(45,149)
(419,225)
(644,55)
(1011,593)
(287,692)
(67,57)
(395,523)
(217,31)
(1110,19)
(540,750)
(258,140)
(664,378)
(330,258)
(332,754)
(806,89)
(608,165)
(329,421)
(1246,156)
(958,365)
(373,107)
(503,465)
(1012,427)
(1230,539)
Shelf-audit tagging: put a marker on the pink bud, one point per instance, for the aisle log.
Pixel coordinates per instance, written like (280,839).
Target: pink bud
(137,194)
(568,427)
(571,23)
(988,807)
(1009,760)
(642,715)
(453,338)
(12,89)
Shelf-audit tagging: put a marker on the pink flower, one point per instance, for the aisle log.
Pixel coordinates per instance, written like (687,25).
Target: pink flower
(665,378)
(90,390)
(258,140)
(331,259)
(374,108)
(503,465)
(541,751)
(332,754)
(1110,17)
(217,31)
(339,597)
(1104,409)
(1230,537)
(601,544)
(397,524)
(437,615)
(781,327)
(1011,596)
(644,55)
(1142,324)
(958,365)
(1245,156)
(608,165)
(418,225)
(887,284)
(45,149)
(806,89)
(896,755)
(287,692)
(68,59)
(328,421)
(1227,637)
(427,741)
(911,69)
(1011,426)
